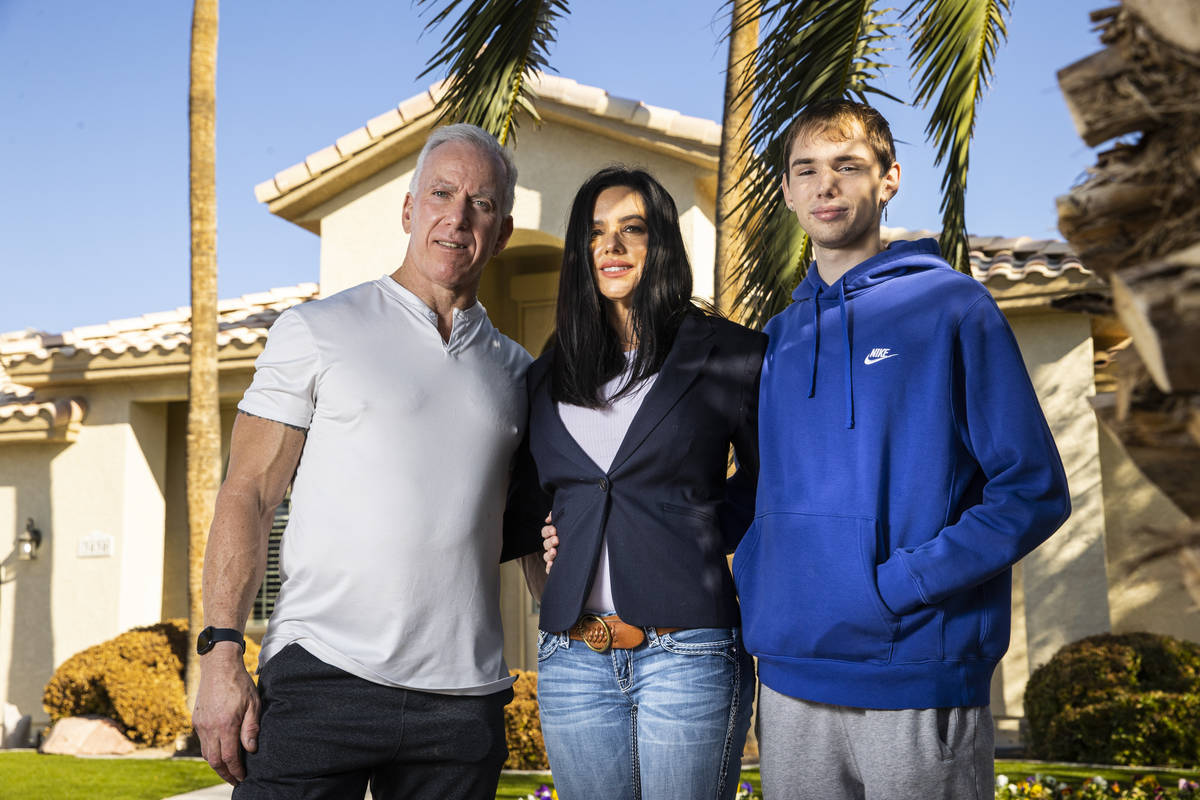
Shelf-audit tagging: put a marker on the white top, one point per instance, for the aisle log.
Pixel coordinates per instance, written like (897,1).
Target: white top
(390,560)
(599,432)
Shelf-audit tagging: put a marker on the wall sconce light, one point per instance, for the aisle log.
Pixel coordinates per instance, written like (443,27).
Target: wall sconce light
(28,541)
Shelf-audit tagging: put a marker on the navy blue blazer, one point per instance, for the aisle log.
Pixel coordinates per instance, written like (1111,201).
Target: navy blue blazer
(665,505)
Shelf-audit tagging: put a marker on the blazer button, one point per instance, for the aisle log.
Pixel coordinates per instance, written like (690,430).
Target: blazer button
(604,484)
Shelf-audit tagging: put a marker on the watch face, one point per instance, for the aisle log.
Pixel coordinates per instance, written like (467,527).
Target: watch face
(204,642)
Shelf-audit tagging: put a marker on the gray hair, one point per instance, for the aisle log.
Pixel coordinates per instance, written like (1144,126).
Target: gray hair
(481,140)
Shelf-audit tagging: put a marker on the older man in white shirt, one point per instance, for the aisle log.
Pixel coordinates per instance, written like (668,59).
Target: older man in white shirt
(396,406)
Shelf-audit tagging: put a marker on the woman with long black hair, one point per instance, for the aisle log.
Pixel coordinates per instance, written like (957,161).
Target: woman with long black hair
(644,688)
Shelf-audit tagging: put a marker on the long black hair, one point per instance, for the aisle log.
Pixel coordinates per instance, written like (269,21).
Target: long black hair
(588,351)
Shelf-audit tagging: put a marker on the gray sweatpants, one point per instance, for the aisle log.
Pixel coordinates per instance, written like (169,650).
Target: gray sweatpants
(812,751)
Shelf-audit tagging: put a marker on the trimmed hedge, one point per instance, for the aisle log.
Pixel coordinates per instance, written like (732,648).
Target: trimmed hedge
(135,679)
(523,725)
(1118,699)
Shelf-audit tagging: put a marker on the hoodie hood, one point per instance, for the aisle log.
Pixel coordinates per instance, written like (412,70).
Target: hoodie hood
(900,258)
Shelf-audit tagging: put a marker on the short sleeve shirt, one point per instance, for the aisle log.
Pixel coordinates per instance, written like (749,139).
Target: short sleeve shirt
(390,560)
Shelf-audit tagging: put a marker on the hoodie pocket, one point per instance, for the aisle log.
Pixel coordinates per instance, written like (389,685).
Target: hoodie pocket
(806,583)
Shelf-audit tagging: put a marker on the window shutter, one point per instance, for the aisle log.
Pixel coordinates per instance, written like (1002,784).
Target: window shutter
(264,602)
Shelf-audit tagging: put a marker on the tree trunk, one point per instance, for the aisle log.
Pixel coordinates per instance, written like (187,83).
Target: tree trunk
(1159,302)
(735,127)
(1136,221)
(204,422)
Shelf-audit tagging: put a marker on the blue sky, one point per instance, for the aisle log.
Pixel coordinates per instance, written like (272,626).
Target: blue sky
(93,137)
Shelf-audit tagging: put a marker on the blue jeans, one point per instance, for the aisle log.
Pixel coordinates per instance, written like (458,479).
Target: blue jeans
(667,719)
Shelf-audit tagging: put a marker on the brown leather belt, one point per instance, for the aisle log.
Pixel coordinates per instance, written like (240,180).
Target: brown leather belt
(603,633)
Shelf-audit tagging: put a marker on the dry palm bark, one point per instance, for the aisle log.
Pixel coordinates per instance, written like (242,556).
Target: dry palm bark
(735,128)
(204,423)
(1136,221)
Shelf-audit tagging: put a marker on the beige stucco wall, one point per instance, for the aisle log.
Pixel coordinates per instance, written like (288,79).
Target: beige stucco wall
(26,611)
(113,480)
(108,482)
(1059,592)
(362,237)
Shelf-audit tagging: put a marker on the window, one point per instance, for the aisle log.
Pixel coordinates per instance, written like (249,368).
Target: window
(264,602)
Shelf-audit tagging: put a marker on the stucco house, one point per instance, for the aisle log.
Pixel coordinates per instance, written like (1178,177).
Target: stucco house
(92,420)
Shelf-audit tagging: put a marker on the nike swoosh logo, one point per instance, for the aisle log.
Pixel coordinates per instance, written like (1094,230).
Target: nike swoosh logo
(869,360)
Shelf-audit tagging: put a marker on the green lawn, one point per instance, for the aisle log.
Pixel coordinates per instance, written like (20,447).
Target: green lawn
(28,774)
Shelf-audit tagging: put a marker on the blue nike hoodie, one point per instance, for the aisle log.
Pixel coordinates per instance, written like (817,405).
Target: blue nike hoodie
(905,467)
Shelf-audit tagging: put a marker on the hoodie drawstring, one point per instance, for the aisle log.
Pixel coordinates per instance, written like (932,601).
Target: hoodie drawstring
(900,258)
(816,347)
(812,378)
(849,359)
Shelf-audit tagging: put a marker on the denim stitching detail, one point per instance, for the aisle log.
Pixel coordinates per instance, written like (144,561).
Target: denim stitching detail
(623,671)
(735,701)
(552,644)
(724,647)
(636,772)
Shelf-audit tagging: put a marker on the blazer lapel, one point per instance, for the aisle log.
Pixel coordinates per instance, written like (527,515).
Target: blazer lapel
(692,345)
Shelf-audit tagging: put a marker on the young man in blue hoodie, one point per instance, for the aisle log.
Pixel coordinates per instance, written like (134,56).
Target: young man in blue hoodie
(905,467)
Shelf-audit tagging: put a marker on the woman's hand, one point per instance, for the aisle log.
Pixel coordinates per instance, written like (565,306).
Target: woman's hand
(549,544)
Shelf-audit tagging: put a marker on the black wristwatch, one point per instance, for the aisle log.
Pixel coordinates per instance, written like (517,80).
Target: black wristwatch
(210,636)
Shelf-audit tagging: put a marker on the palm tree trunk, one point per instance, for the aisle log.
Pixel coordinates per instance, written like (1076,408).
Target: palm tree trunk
(735,128)
(1135,221)
(204,422)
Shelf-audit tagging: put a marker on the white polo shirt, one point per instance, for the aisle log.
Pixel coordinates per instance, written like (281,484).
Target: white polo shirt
(390,560)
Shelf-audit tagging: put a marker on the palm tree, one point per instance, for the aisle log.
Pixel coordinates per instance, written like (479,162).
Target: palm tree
(492,50)
(811,50)
(204,423)
(735,147)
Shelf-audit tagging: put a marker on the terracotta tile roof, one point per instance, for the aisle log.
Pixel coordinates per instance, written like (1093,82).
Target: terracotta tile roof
(56,420)
(12,393)
(1011,258)
(24,419)
(564,91)
(243,319)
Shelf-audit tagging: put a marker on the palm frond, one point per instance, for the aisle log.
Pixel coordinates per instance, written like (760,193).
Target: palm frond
(812,50)
(954,45)
(489,54)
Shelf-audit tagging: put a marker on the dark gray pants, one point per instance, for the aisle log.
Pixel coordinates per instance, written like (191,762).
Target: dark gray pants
(812,751)
(326,733)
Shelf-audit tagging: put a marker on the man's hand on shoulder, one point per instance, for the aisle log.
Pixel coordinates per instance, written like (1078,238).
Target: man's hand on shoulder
(226,713)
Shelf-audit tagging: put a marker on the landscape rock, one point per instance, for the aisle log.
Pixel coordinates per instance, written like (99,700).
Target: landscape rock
(86,736)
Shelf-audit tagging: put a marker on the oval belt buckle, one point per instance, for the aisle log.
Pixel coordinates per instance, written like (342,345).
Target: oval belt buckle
(590,633)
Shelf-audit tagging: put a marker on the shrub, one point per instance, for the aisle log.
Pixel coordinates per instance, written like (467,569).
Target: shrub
(135,679)
(523,725)
(1118,699)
